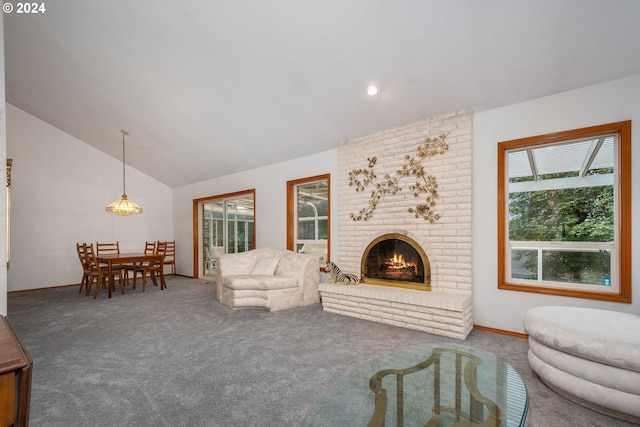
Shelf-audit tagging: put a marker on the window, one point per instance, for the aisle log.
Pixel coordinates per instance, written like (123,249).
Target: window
(225,224)
(564,213)
(308,216)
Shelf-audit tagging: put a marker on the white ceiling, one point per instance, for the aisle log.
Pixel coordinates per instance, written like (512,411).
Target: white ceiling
(209,87)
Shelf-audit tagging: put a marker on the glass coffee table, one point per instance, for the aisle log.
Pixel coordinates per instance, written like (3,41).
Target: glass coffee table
(430,385)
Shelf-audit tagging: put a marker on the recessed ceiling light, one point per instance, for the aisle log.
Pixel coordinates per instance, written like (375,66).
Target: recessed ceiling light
(372,88)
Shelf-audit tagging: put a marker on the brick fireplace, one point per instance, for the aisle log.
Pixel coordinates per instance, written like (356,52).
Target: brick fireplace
(446,308)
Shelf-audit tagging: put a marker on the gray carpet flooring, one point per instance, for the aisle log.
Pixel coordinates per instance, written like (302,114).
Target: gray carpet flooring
(179,358)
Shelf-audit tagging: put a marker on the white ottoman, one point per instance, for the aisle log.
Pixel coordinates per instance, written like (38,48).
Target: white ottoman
(589,356)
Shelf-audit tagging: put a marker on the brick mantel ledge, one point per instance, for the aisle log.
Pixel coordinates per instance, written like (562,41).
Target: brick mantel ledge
(441,313)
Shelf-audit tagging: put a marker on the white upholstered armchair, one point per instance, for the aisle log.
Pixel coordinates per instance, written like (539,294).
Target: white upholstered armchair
(270,278)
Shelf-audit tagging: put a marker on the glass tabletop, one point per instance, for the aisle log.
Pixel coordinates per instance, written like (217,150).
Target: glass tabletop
(433,385)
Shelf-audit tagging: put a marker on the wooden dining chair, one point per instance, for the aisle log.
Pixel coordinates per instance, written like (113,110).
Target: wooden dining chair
(153,270)
(170,255)
(145,269)
(161,249)
(99,273)
(109,248)
(81,248)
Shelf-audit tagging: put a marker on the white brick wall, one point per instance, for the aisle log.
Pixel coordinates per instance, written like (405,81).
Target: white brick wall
(446,242)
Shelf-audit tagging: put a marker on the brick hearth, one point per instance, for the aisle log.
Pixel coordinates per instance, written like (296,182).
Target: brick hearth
(433,312)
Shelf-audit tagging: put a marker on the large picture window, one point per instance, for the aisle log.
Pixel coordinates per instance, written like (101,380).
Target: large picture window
(308,217)
(564,213)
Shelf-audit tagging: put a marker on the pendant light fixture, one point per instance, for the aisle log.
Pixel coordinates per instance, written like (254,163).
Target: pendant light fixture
(124,206)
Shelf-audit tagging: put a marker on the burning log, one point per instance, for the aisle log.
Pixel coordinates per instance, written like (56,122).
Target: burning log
(396,268)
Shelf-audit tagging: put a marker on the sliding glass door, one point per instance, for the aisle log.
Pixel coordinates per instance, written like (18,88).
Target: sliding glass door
(226,225)
(213,235)
(240,227)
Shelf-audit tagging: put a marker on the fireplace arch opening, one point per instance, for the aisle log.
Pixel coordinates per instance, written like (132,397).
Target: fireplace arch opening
(396,260)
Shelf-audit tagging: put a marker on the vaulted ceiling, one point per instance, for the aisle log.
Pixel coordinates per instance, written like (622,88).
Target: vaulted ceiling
(209,87)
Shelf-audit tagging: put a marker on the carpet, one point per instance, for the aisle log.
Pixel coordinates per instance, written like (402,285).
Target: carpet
(179,358)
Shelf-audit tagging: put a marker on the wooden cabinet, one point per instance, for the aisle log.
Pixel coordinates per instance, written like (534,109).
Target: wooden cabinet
(15,378)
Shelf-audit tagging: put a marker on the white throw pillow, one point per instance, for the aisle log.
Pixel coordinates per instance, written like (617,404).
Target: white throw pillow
(266,266)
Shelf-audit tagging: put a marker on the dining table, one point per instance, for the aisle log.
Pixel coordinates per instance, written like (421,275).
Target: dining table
(131,258)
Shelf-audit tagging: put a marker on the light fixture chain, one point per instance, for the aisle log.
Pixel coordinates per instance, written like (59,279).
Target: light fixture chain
(124,206)
(124,186)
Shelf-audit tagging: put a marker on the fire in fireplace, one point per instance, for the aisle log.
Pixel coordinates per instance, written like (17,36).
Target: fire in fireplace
(396,260)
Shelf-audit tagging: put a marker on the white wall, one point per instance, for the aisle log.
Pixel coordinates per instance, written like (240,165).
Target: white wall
(60,187)
(270,183)
(605,103)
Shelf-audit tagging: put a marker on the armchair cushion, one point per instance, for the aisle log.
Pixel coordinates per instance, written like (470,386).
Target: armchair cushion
(259,281)
(266,266)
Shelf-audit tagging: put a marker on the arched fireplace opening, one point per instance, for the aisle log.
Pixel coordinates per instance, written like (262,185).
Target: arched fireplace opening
(396,260)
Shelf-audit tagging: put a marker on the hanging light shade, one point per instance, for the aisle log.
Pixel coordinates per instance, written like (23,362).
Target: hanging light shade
(123,206)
